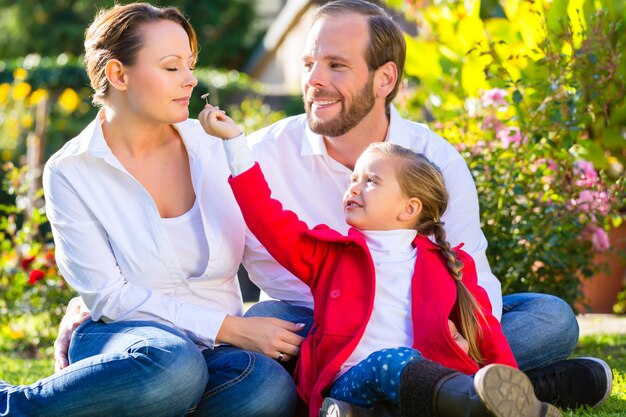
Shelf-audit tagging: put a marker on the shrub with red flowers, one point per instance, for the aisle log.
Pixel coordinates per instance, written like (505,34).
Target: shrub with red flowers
(30,283)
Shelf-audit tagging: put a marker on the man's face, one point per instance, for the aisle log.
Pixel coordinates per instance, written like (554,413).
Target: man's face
(337,84)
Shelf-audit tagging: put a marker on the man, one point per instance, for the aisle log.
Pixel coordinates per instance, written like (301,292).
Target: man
(351,73)
(349,77)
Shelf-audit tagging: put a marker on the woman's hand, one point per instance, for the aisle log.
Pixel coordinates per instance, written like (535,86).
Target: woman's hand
(216,123)
(273,337)
(458,337)
(75,314)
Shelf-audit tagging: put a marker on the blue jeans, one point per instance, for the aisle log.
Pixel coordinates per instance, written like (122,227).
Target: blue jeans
(541,328)
(376,378)
(145,368)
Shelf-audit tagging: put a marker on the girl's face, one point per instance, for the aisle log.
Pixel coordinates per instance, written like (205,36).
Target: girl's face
(374,199)
(159,84)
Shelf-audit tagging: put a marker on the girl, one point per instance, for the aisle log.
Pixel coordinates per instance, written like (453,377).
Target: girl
(385,293)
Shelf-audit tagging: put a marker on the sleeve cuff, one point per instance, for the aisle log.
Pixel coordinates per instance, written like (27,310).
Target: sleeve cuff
(238,155)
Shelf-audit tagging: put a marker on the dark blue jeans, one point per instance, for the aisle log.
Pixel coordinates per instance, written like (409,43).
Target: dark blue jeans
(148,369)
(541,328)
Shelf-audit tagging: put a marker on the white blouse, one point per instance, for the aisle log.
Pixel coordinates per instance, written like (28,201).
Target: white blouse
(186,234)
(114,250)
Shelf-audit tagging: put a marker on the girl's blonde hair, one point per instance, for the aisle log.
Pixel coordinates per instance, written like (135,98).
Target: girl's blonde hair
(420,178)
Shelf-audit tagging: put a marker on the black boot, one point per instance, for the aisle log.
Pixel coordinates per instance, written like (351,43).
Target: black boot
(428,389)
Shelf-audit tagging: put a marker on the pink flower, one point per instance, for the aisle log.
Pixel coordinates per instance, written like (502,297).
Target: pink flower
(590,201)
(586,172)
(509,135)
(599,239)
(492,122)
(494,98)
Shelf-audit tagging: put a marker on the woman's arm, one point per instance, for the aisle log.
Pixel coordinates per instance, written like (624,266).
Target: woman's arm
(88,263)
(86,260)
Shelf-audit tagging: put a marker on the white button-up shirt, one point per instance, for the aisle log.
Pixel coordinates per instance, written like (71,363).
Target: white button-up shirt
(309,182)
(114,250)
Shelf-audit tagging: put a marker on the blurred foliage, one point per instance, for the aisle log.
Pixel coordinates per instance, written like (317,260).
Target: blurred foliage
(29,279)
(56,27)
(533,97)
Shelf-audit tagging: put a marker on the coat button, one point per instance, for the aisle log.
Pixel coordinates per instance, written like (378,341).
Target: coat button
(335,293)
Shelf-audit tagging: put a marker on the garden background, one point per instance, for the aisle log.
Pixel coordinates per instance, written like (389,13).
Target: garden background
(532,93)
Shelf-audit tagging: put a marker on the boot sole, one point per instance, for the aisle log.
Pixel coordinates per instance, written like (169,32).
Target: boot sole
(334,408)
(507,392)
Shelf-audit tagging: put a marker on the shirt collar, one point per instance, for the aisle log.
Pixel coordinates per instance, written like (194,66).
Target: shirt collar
(314,143)
(91,139)
(397,132)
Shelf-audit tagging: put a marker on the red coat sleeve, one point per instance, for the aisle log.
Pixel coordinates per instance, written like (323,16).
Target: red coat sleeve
(286,238)
(493,345)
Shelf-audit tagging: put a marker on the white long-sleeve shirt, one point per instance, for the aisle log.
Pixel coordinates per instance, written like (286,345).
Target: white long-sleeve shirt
(114,250)
(309,182)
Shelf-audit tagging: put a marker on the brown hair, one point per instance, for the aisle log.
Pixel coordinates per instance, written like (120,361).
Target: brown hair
(420,178)
(386,38)
(115,34)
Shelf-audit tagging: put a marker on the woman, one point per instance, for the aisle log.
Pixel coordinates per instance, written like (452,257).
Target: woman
(148,233)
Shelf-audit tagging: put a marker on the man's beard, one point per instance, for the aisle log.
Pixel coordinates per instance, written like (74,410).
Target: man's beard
(348,118)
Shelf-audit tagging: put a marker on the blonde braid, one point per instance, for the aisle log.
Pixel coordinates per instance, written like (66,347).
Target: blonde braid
(469,309)
(420,178)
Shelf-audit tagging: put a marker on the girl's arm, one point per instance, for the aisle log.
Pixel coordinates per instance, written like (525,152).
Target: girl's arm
(285,236)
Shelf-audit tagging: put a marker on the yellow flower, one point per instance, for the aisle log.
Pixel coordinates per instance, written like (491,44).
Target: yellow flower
(13,332)
(69,100)
(5,88)
(19,74)
(38,95)
(26,120)
(20,91)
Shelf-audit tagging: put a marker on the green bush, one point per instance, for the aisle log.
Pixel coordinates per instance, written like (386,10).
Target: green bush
(30,283)
(225,28)
(533,100)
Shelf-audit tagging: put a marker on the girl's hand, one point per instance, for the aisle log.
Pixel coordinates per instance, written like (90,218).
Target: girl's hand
(458,337)
(216,123)
(274,337)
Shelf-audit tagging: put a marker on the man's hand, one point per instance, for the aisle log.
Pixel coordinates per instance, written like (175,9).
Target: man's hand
(273,337)
(75,314)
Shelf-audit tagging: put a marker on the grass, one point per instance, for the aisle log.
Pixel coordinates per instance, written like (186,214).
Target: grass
(611,348)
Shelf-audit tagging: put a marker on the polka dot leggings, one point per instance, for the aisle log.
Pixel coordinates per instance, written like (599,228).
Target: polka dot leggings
(376,378)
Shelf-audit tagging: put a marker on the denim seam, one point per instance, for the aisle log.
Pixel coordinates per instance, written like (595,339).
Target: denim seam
(244,375)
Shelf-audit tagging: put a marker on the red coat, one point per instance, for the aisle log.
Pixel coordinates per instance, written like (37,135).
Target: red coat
(340,272)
